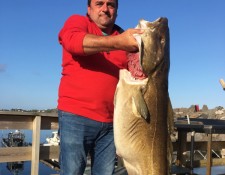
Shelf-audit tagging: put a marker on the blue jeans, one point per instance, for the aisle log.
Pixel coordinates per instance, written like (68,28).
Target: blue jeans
(80,136)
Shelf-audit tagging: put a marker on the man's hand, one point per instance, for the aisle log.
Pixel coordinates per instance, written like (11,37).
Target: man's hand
(126,40)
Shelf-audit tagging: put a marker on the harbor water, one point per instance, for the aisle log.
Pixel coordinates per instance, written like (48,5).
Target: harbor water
(25,169)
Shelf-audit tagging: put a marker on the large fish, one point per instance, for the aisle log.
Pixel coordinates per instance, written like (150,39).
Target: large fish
(143,115)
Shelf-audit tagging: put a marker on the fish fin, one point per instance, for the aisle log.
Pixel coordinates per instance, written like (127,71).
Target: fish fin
(139,107)
(170,123)
(134,108)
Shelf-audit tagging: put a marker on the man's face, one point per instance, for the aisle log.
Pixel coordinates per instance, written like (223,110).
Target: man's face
(103,13)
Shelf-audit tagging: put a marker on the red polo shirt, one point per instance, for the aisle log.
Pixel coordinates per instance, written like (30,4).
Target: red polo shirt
(88,83)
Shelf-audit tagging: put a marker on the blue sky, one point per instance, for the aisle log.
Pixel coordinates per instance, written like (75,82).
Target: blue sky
(30,56)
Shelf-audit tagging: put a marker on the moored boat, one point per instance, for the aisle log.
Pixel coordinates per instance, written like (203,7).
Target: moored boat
(14,139)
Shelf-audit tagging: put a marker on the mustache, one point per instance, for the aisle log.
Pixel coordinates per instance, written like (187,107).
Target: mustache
(105,13)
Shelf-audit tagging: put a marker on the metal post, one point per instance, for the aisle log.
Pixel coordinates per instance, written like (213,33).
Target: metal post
(209,150)
(192,151)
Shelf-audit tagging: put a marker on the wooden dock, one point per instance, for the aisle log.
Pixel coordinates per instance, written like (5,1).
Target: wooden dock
(49,121)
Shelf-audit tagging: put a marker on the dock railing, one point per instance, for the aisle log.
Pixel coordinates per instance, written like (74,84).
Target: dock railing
(36,122)
(29,121)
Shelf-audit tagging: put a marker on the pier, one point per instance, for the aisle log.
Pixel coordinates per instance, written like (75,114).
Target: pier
(34,122)
(35,153)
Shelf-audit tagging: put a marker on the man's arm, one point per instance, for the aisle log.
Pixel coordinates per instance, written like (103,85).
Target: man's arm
(93,44)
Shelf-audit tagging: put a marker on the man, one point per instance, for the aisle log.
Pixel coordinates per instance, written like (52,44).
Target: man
(94,50)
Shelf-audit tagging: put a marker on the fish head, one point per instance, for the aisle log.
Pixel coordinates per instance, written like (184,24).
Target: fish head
(153,44)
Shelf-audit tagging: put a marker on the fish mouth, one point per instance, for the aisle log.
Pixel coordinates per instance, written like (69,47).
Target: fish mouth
(134,64)
(143,24)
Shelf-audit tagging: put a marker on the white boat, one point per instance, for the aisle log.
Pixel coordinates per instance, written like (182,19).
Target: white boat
(53,140)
